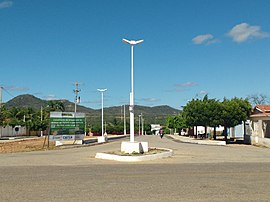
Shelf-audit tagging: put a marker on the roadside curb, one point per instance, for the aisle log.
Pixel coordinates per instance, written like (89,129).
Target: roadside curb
(195,141)
(15,139)
(149,157)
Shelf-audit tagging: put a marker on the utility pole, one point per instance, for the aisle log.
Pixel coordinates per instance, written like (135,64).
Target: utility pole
(76,91)
(41,119)
(142,123)
(125,129)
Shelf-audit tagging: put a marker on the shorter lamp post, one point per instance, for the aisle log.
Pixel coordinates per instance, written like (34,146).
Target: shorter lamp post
(102,128)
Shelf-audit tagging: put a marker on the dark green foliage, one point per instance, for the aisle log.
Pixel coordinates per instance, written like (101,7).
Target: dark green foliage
(210,112)
(113,116)
(178,122)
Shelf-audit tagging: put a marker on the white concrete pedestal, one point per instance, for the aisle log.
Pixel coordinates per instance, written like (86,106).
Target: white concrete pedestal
(68,142)
(102,139)
(134,147)
(144,146)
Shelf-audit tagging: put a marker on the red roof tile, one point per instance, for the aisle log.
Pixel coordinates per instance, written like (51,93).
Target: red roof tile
(261,111)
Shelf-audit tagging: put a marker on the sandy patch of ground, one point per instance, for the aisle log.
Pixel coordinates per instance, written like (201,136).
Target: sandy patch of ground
(25,145)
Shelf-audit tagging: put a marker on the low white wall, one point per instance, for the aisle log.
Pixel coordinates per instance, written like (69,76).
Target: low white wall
(255,140)
(8,131)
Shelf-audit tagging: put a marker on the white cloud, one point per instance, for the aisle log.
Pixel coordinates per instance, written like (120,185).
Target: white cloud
(181,87)
(188,84)
(201,94)
(200,39)
(6,4)
(151,99)
(50,97)
(242,32)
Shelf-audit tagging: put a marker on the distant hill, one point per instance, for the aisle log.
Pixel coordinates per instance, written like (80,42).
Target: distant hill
(155,114)
(26,101)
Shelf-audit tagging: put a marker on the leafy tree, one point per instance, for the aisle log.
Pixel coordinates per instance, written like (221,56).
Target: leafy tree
(170,122)
(55,105)
(3,116)
(177,122)
(215,116)
(233,112)
(24,117)
(15,116)
(198,112)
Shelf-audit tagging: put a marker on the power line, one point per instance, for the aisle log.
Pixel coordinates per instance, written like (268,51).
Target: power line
(1,94)
(8,92)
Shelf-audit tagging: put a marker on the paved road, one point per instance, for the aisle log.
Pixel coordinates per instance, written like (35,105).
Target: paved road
(194,173)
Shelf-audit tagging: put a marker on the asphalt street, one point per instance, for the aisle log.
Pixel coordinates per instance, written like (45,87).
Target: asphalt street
(194,173)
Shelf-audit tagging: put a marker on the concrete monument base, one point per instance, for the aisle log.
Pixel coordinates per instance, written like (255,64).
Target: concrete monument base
(134,147)
(102,139)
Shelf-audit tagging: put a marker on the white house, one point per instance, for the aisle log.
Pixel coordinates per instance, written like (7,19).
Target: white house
(260,126)
(155,128)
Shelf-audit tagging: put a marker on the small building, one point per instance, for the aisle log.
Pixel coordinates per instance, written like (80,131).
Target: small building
(155,128)
(260,126)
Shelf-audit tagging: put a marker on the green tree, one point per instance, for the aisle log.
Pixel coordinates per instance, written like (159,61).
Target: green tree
(55,105)
(3,116)
(15,116)
(197,113)
(215,116)
(233,112)
(176,122)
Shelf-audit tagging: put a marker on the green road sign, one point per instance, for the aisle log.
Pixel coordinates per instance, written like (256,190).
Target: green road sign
(67,126)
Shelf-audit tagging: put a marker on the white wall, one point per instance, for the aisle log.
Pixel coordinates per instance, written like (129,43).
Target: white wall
(8,131)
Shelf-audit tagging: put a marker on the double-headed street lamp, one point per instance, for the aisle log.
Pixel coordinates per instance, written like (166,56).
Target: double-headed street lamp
(131,105)
(102,91)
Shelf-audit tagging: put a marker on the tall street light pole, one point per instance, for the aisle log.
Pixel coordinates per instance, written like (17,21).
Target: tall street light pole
(139,124)
(131,105)
(102,91)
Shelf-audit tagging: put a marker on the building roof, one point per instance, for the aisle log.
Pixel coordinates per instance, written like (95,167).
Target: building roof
(261,111)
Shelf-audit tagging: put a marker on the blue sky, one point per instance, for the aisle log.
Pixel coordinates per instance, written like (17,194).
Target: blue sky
(191,48)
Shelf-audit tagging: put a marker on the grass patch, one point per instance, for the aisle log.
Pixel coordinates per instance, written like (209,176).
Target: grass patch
(150,152)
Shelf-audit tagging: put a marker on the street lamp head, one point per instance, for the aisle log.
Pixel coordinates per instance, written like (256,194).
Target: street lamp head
(132,42)
(139,41)
(102,90)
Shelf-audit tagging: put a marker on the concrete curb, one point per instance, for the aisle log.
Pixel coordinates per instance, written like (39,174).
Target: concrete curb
(195,141)
(17,139)
(149,157)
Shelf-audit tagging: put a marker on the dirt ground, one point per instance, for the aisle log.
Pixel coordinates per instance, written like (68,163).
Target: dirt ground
(36,144)
(25,145)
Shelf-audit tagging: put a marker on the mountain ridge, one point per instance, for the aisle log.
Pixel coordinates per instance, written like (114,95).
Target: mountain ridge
(155,114)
